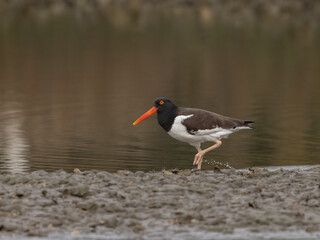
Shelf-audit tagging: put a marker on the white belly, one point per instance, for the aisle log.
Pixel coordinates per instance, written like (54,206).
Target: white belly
(179,132)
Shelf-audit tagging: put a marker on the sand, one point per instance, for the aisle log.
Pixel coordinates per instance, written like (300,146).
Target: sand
(161,205)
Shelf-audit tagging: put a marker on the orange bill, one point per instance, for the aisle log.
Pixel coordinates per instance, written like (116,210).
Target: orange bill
(153,110)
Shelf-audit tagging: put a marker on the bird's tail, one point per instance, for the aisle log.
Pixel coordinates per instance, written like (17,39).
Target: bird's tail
(249,124)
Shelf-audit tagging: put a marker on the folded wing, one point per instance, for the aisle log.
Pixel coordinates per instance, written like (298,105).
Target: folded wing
(204,122)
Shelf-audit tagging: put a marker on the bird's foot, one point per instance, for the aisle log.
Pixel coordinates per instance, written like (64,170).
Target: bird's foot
(198,159)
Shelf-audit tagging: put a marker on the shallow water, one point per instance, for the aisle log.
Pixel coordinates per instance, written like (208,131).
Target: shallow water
(70,92)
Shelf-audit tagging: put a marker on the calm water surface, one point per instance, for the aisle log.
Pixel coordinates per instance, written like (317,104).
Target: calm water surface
(69,93)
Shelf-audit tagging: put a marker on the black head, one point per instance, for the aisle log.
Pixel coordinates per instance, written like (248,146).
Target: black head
(167,111)
(164,104)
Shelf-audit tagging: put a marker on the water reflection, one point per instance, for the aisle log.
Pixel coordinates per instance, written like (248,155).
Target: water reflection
(13,145)
(78,94)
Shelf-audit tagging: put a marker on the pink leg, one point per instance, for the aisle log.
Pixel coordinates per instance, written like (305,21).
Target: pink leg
(199,156)
(195,159)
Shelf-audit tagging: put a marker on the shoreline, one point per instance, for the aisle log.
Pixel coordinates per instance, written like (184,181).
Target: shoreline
(303,15)
(149,204)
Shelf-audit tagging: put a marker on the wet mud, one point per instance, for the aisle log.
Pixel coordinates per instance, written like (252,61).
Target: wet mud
(294,13)
(147,205)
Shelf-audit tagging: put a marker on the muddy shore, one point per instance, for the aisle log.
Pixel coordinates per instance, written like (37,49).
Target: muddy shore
(148,205)
(303,15)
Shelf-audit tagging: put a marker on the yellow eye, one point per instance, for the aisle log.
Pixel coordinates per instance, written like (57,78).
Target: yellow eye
(161,102)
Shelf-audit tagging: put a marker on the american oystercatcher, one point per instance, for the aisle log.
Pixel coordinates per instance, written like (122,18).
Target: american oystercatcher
(194,126)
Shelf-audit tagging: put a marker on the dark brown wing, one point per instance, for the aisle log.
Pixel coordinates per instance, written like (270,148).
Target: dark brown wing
(203,119)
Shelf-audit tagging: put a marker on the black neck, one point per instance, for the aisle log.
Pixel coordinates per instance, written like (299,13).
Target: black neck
(166,117)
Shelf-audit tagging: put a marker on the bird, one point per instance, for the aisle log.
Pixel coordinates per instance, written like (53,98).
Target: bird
(194,126)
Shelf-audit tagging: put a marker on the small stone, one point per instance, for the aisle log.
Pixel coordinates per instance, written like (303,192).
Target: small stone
(9,227)
(75,233)
(167,172)
(138,229)
(175,171)
(253,205)
(313,203)
(194,221)
(139,173)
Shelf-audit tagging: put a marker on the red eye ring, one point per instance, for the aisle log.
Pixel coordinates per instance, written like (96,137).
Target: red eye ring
(161,102)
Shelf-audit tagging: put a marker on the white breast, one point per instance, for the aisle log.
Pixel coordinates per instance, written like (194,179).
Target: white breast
(179,132)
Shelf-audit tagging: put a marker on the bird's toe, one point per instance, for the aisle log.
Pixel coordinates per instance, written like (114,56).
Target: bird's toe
(198,158)
(195,159)
(199,165)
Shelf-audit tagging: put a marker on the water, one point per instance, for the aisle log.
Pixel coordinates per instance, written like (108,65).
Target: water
(70,91)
